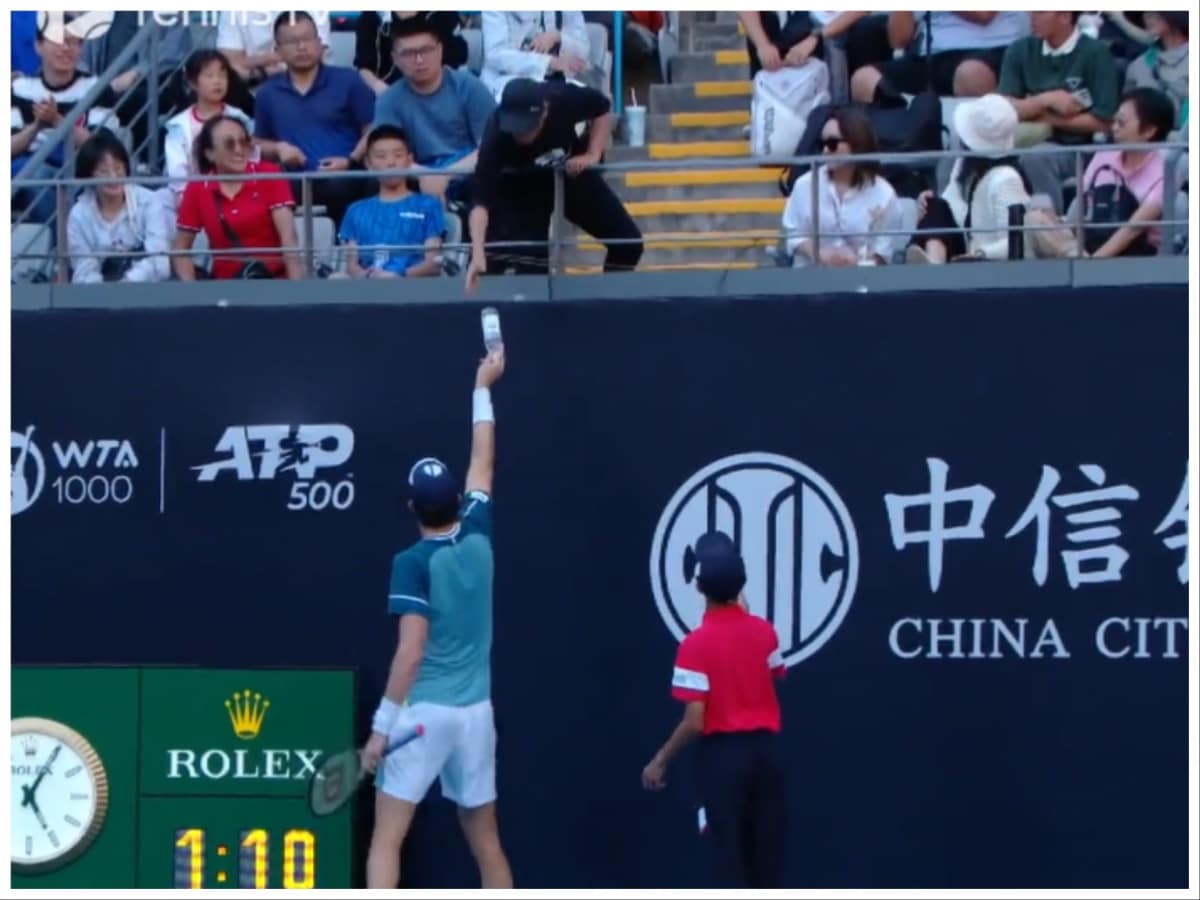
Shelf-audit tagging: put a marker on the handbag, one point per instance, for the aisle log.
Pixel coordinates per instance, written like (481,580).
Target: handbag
(113,268)
(1111,206)
(251,268)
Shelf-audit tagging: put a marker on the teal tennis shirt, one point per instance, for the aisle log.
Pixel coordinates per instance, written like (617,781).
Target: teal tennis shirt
(448,579)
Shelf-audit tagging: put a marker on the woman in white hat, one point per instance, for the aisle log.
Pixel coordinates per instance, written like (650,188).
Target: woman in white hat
(981,188)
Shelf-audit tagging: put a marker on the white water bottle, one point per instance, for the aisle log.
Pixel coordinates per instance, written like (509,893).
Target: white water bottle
(490,320)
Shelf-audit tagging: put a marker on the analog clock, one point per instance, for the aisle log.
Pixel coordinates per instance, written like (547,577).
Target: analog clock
(59,794)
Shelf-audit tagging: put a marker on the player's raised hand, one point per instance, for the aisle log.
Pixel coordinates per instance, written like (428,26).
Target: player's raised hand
(491,367)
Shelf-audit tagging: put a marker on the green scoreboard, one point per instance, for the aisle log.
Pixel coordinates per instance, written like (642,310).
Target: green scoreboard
(176,777)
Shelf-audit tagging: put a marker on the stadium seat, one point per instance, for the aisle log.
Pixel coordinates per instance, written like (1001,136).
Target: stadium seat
(30,246)
(474,39)
(341,45)
(324,252)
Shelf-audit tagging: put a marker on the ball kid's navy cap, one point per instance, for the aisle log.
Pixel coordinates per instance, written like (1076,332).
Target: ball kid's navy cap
(721,574)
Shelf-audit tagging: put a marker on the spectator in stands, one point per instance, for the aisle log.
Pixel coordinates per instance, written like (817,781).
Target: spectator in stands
(39,103)
(315,116)
(374,39)
(248,40)
(981,188)
(125,219)
(952,53)
(397,234)
(25,60)
(444,111)
(1064,87)
(1165,65)
(534,131)
(208,75)
(1144,116)
(536,45)
(853,199)
(173,43)
(777,39)
(252,216)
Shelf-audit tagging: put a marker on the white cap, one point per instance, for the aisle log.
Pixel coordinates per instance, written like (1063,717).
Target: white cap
(987,124)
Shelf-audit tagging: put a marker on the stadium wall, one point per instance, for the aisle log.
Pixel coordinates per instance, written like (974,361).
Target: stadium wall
(961,510)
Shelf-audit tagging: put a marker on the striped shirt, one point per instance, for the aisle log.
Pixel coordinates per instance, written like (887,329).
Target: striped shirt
(30,89)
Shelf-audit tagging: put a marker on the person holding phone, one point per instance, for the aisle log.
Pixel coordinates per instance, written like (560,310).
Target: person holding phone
(314,117)
(1064,87)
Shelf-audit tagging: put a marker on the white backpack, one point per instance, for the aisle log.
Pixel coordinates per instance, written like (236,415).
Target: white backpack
(780,105)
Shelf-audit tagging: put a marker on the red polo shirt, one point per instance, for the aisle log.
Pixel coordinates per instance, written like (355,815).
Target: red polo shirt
(729,662)
(248,214)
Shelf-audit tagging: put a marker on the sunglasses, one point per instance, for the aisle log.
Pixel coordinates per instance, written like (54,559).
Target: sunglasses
(831,143)
(236,143)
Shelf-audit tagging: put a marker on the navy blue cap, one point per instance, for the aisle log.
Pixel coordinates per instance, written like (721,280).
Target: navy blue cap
(430,484)
(521,106)
(721,574)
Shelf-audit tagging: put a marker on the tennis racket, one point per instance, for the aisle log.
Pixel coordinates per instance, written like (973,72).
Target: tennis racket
(338,775)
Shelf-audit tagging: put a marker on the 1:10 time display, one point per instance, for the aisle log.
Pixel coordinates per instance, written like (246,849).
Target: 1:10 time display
(254,859)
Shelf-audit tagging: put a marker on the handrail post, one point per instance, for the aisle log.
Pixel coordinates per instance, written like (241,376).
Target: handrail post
(558,224)
(1079,195)
(815,214)
(62,273)
(306,204)
(618,73)
(152,89)
(1166,244)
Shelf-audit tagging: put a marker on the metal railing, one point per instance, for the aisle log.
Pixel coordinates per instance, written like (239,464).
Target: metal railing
(557,243)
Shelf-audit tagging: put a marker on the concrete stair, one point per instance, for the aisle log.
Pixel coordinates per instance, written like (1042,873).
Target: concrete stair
(694,215)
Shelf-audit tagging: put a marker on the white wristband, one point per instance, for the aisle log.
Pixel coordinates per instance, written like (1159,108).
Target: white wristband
(482,403)
(385,716)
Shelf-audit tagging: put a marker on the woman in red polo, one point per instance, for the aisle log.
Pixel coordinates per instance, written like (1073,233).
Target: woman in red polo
(251,218)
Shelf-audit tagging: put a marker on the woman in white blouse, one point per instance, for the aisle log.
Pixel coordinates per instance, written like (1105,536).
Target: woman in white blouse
(533,45)
(208,73)
(115,232)
(855,204)
(981,188)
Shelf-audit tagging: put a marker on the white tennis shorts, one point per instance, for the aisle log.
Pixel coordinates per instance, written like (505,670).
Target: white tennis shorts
(459,744)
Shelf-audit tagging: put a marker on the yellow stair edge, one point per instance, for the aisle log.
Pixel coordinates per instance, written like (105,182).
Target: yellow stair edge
(718,206)
(698,148)
(687,177)
(667,267)
(731,57)
(721,88)
(710,119)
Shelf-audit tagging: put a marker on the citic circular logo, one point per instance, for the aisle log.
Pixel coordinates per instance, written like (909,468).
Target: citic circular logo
(794,533)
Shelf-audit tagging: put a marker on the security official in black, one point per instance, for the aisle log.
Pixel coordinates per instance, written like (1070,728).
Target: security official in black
(535,130)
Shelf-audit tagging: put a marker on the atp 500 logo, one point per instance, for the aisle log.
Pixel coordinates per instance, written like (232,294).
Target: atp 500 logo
(300,452)
(90,472)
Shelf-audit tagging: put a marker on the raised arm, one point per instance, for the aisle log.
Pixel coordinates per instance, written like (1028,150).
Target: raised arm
(483,434)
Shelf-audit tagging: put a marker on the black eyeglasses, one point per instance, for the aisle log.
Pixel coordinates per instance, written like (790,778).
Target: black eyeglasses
(831,143)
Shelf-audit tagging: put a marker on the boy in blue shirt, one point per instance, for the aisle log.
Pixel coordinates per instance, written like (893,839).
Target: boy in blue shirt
(396,234)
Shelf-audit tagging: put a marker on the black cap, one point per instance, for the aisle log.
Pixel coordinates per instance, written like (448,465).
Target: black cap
(721,574)
(521,106)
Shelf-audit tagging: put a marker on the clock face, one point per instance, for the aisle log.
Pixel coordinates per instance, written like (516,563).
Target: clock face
(59,794)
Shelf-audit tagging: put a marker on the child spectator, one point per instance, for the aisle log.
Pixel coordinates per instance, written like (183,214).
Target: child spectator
(397,234)
(122,219)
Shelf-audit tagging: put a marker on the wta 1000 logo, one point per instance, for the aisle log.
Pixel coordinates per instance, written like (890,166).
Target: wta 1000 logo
(310,455)
(76,472)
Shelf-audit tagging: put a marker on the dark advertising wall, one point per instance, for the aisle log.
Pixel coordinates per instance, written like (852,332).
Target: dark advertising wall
(965,514)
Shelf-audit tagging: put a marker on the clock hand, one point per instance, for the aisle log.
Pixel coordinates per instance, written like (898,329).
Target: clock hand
(26,795)
(45,770)
(41,819)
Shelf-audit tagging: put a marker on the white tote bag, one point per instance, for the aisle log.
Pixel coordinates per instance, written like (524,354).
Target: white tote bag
(780,105)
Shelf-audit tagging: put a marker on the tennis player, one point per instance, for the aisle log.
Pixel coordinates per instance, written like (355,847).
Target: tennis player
(440,678)
(724,672)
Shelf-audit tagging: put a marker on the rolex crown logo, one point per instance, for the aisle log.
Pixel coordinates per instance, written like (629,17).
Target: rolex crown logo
(246,713)
(29,745)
